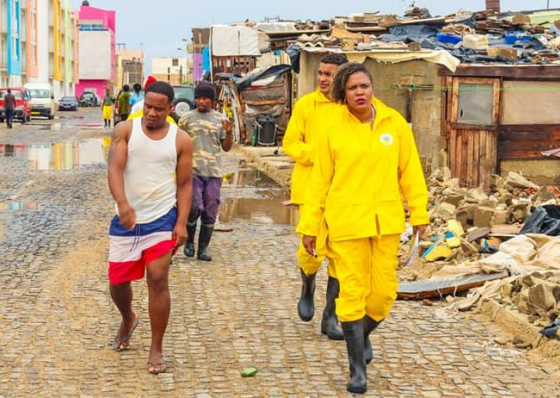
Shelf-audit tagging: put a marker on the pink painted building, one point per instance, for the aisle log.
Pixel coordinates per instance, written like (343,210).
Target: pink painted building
(97,60)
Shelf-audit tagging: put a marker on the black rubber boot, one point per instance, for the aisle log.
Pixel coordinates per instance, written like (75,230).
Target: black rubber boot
(369,326)
(329,323)
(189,246)
(204,241)
(306,305)
(354,335)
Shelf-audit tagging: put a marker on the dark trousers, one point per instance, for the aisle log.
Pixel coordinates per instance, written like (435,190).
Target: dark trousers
(205,199)
(9,117)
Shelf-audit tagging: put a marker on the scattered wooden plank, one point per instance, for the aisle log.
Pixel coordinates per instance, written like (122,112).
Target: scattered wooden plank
(420,290)
(478,233)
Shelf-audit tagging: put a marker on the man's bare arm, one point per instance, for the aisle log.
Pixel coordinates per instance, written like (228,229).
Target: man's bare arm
(118,154)
(184,186)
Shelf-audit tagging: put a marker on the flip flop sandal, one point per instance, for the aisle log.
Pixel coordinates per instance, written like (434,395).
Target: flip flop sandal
(157,367)
(117,342)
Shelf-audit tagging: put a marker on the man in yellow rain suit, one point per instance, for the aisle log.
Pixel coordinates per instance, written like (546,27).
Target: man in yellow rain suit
(365,163)
(307,123)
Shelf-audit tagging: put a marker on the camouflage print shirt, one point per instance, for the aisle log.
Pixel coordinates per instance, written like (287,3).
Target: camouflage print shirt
(207,134)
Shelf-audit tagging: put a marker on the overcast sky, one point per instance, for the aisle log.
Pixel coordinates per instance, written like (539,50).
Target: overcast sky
(158,26)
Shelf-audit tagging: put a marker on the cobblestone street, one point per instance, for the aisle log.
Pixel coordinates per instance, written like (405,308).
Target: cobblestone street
(57,318)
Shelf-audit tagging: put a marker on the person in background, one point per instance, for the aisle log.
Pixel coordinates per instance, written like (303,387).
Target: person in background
(150,171)
(138,109)
(107,107)
(307,123)
(139,106)
(211,134)
(9,108)
(355,214)
(124,103)
(137,95)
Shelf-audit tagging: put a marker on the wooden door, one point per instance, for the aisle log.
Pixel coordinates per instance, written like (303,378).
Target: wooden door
(475,108)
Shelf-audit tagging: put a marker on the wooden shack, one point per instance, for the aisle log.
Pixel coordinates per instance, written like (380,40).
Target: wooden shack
(501,118)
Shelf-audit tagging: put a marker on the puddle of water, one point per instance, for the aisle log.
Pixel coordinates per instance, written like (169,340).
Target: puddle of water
(17,205)
(59,155)
(51,127)
(259,211)
(250,178)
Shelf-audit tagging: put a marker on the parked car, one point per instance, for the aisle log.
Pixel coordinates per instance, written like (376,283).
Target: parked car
(42,99)
(68,104)
(89,99)
(184,99)
(23,104)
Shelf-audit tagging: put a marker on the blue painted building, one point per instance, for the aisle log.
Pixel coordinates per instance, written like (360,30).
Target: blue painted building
(13,43)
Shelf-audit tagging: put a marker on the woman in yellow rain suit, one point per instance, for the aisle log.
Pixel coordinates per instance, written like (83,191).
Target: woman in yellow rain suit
(366,162)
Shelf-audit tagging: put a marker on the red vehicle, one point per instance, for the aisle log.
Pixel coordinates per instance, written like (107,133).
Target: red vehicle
(23,104)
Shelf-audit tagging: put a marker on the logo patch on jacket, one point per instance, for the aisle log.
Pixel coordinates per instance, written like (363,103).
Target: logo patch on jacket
(387,139)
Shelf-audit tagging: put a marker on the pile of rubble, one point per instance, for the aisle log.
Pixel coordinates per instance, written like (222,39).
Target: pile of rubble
(475,241)
(536,295)
(473,37)
(509,201)
(468,224)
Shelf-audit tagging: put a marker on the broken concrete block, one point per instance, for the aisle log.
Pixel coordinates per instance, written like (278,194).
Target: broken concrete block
(497,182)
(501,206)
(541,298)
(476,233)
(507,290)
(490,202)
(543,197)
(523,302)
(476,195)
(518,181)
(518,213)
(500,217)
(483,216)
(465,215)
(451,183)
(505,198)
(453,198)
(444,211)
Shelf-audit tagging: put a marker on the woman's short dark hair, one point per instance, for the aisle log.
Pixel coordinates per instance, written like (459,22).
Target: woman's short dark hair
(161,88)
(338,89)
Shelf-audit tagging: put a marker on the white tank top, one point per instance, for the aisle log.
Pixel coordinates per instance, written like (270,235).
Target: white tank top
(149,175)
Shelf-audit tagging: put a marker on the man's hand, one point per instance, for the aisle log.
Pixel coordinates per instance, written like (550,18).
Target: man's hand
(127,216)
(179,234)
(226,124)
(309,244)
(420,229)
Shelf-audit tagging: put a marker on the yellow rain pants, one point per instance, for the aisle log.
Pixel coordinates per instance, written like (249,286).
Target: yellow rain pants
(108,112)
(367,271)
(311,264)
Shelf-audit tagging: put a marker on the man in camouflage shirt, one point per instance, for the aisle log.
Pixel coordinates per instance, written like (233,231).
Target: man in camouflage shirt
(211,133)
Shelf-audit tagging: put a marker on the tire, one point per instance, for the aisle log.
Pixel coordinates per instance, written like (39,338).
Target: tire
(182,106)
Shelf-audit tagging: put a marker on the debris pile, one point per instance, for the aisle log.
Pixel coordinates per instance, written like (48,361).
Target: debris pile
(536,295)
(468,225)
(473,37)
(509,201)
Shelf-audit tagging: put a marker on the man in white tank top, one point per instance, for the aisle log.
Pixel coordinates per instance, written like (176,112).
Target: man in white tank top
(150,178)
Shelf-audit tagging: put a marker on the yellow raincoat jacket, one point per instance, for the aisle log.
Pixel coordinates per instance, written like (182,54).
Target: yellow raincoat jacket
(360,177)
(308,121)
